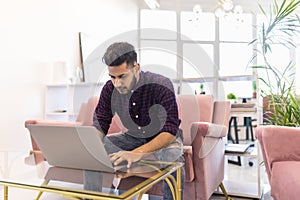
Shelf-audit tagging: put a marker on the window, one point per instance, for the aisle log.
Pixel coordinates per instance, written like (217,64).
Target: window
(236,28)
(158,24)
(159,57)
(234,58)
(192,26)
(198,60)
(207,48)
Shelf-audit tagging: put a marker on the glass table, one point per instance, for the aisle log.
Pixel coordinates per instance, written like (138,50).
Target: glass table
(144,174)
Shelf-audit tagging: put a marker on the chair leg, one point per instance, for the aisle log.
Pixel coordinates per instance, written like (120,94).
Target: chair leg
(224,191)
(40,193)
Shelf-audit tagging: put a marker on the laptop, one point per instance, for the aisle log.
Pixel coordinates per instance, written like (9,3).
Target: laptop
(78,147)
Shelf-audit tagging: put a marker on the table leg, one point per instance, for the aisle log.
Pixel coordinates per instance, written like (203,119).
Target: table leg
(5,192)
(179,189)
(236,130)
(229,136)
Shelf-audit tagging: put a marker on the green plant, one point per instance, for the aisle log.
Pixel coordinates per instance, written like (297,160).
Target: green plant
(202,88)
(231,96)
(254,85)
(283,24)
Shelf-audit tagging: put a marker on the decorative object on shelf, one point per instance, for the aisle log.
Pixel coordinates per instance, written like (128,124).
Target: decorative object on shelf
(281,28)
(59,73)
(79,74)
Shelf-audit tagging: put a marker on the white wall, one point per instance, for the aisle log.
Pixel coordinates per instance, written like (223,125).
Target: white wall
(33,35)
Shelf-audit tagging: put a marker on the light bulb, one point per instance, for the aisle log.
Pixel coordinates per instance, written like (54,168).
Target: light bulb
(197,9)
(227,5)
(238,9)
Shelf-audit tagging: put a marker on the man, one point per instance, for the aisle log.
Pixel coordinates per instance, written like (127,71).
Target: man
(146,105)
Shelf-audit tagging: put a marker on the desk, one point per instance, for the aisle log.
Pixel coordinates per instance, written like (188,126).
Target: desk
(247,114)
(160,171)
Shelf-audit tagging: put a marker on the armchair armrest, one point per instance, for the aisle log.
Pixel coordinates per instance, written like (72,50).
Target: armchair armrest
(207,136)
(208,129)
(53,123)
(279,143)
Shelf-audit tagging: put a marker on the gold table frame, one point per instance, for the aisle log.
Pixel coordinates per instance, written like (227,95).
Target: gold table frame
(139,189)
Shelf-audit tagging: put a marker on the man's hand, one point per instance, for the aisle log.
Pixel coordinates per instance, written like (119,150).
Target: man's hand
(130,157)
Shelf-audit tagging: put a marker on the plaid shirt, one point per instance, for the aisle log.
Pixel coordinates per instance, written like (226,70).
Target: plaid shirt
(149,109)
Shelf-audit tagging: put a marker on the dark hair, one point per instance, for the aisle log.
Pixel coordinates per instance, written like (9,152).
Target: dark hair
(118,53)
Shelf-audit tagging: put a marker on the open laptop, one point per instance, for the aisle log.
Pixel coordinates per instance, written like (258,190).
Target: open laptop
(78,147)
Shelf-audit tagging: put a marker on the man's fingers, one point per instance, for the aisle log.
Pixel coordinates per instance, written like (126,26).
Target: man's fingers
(113,157)
(118,160)
(129,164)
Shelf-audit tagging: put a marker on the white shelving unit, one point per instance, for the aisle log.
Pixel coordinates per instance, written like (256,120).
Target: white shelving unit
(253,186)
(63,101)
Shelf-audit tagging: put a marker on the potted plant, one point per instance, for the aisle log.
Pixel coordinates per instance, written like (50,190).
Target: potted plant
(231,97)
(202,88)
(282,25)
(254,89)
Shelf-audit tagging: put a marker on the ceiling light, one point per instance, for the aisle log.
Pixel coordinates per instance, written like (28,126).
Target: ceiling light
(227,7)
(152,4)
(197,9)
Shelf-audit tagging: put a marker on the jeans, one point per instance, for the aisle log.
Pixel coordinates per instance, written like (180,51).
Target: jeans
(122,141)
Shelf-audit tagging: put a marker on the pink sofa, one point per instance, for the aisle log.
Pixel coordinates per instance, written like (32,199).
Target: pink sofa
(204,124)
(281,154)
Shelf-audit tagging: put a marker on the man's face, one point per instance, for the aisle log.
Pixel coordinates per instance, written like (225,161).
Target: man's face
(123,77)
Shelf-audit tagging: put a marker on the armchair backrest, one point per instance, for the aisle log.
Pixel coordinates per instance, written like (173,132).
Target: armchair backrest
(193,108)
(221,113)
(85,116)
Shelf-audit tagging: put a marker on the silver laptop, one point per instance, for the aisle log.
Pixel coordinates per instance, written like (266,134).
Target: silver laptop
(78,147)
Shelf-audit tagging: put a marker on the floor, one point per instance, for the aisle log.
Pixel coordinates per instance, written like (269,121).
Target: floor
(238,174)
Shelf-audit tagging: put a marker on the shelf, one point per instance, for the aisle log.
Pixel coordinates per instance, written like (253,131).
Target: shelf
(251,153)
(83,84)
(61,113)
(238,78)
(63,101)
(195,80)
(243,189)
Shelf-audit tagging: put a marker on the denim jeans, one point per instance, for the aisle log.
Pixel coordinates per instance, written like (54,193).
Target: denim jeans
(122,141)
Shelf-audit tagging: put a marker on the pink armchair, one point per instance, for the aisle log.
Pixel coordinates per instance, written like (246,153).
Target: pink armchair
(281,154)
(204,124)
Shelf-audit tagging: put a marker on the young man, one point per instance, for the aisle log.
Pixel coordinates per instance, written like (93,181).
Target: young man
(146,105)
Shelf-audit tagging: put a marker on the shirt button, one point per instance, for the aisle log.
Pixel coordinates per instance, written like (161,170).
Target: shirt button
(136,116)
(144,131)
(139,127)
(132,91)
(133,103)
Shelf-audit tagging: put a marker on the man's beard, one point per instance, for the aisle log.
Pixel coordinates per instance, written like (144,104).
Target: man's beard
(126,90)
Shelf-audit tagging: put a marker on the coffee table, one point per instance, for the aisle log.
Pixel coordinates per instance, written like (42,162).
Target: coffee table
(152,172)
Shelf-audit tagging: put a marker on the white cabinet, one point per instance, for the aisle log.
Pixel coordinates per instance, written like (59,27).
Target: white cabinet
(63,101)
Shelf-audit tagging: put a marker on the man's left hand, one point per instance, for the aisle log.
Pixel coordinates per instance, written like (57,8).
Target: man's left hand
(130,157)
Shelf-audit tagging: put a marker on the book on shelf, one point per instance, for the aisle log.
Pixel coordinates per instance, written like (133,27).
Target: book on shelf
(238,148)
